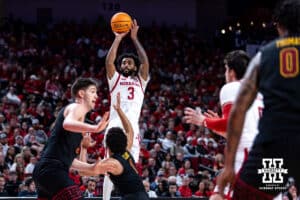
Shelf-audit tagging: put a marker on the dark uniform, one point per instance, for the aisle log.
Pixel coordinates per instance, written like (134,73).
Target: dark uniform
(51,173)
(278,140)
(129,183)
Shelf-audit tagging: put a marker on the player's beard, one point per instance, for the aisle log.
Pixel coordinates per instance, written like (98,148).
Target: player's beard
(128,73)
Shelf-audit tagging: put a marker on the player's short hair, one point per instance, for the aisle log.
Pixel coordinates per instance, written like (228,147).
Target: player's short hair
(238,61)
(287,14)
(128,55)
(116,140)
(82,84)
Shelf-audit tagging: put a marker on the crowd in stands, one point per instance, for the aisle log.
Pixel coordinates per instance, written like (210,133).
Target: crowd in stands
(38,66)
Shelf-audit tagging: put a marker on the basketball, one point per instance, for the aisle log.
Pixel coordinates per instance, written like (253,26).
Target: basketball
(120,22)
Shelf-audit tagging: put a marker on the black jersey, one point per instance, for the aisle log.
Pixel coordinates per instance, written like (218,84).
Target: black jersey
(280,86)
(62,145)
(129,181)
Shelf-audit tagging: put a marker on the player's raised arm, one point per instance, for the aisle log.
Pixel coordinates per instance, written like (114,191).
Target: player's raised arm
(112,54)
(125,122)
(144,66)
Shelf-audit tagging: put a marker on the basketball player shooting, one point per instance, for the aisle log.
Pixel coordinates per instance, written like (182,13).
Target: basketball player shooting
(129,78)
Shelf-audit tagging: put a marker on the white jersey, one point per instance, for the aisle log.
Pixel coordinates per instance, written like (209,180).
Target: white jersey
(228,95)
(131,91)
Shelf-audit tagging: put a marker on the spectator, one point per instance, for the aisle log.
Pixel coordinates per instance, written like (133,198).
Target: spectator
(201,190)
(201,147)
(11,138)
(29,189)
(18,144)
(177,148)
(162,187)
(12,185)
(19,161)
(24,117)
(3,164)
(33,85)
(186,166)
(172,191)
(26,154)
(150,193)
(2,122)
(145,173)
(53,87)
(160,154)
(184,189)
(10,156)
(152,168)
(83,183)
(30,136)
(210,189)
(20,172)
(172,170)
(190,149)
(12,97)
(40,134)
(160,176)
(144,153)
(30,166)
(3,192)
(167,142)
(172,180)
(91,188)
(178,161)
(219,162)
(3,141)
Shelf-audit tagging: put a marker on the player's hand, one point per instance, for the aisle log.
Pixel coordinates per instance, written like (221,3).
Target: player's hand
(103,123)
(211,114)
(120,36)
(227,176)
(117,105)
(134,29)
(86,140)
(192,116)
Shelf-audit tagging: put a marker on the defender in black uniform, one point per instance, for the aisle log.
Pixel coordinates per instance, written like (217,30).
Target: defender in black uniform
(125,177)
(120,164)
(51,173)
(274,71)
